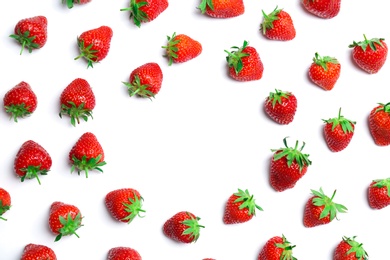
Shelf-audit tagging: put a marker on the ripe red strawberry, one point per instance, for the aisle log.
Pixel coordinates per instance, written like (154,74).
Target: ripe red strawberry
(350,249)
(379,124)
(183,227)
(5,202)
(31,160)
(277,248)
(145,81)
(20,101)
(322,8)
(70,3)
(288,165)
(144,11)
(94,44)
(181,48)
(222,8)
(321,210)
(379,193)
(281,106)
(31,33)
(278,25)
(244,63)
(324,71)
(240,208)
(369,55)
(123,253)
(36,252)
(338,132)
(124,204)
(87,154)
(64,219)
(77,101)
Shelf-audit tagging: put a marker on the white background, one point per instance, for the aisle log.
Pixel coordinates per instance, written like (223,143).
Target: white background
(201,138)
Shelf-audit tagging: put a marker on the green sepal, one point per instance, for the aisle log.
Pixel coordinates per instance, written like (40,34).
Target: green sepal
(366,42)
(287,249)
(17,111)
(330,208)
(292,155)
(248,201)
(356,248)
(134,208)
(3,209)
(193,227)
(87,164)
(69,3)
(136,88)
(383,107)
(86,52)
(171,49)
(75,112)
(346,124)
(380,183)
(269,19)
(32,172)
(138,15)
(323,61)
(276,97)
(234,58)
(203,5)
(69,226)
(25,40)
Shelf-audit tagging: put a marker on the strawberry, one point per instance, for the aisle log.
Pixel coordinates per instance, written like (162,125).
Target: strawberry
(379,124)
(124,204)
(70,3)
(240,208)
(77,101)
(144,11)
(181,48)
(20,101)
(221,8)
(338,132)
(278,25)
(94,44)
(31,33)
(244,63)
(145,81)
(64,219)
(123,253)
(281,106)
(87,154)
(379,193)
(324,71)
(288,165)
(277,248)
(325,9)
(350,249)
(183,227)
(5,202)
(37,252)
(369,55)
(320,209)
(31,160)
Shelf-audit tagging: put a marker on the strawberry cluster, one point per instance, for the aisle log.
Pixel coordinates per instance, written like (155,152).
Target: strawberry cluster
(288,164)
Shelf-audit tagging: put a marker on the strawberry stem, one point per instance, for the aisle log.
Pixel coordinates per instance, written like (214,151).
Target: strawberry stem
(75,112)
(87,164)
(138,15)
(133,208)
(32,172)
(234,58)
(69,226)
(346,124)
(17,111)
(25,40)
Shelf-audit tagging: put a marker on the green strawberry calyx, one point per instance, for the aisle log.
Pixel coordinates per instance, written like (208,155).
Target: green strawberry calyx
(269,19)
(136,13)
(330,208)
(364,44)
(193,227)
(25,40)
(234,58)
(383,107)
(292,155)
(136,88)
(134,207)
(75,112)
(87,164)
(356,248)
(32,171)
(171,48)
(323,61)
(381,183)
(69,3)
(3,209)
(204,4)
(346,124)
(287,249)
(87,52)
(247,201)
(69,225)
(277,96)
(17,111)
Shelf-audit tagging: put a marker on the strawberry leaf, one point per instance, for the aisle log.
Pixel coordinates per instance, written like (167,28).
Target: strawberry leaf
(193,227)
(330,208)
(346,124)
(133,208)
(356,248)
(234,58)
(248,201)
